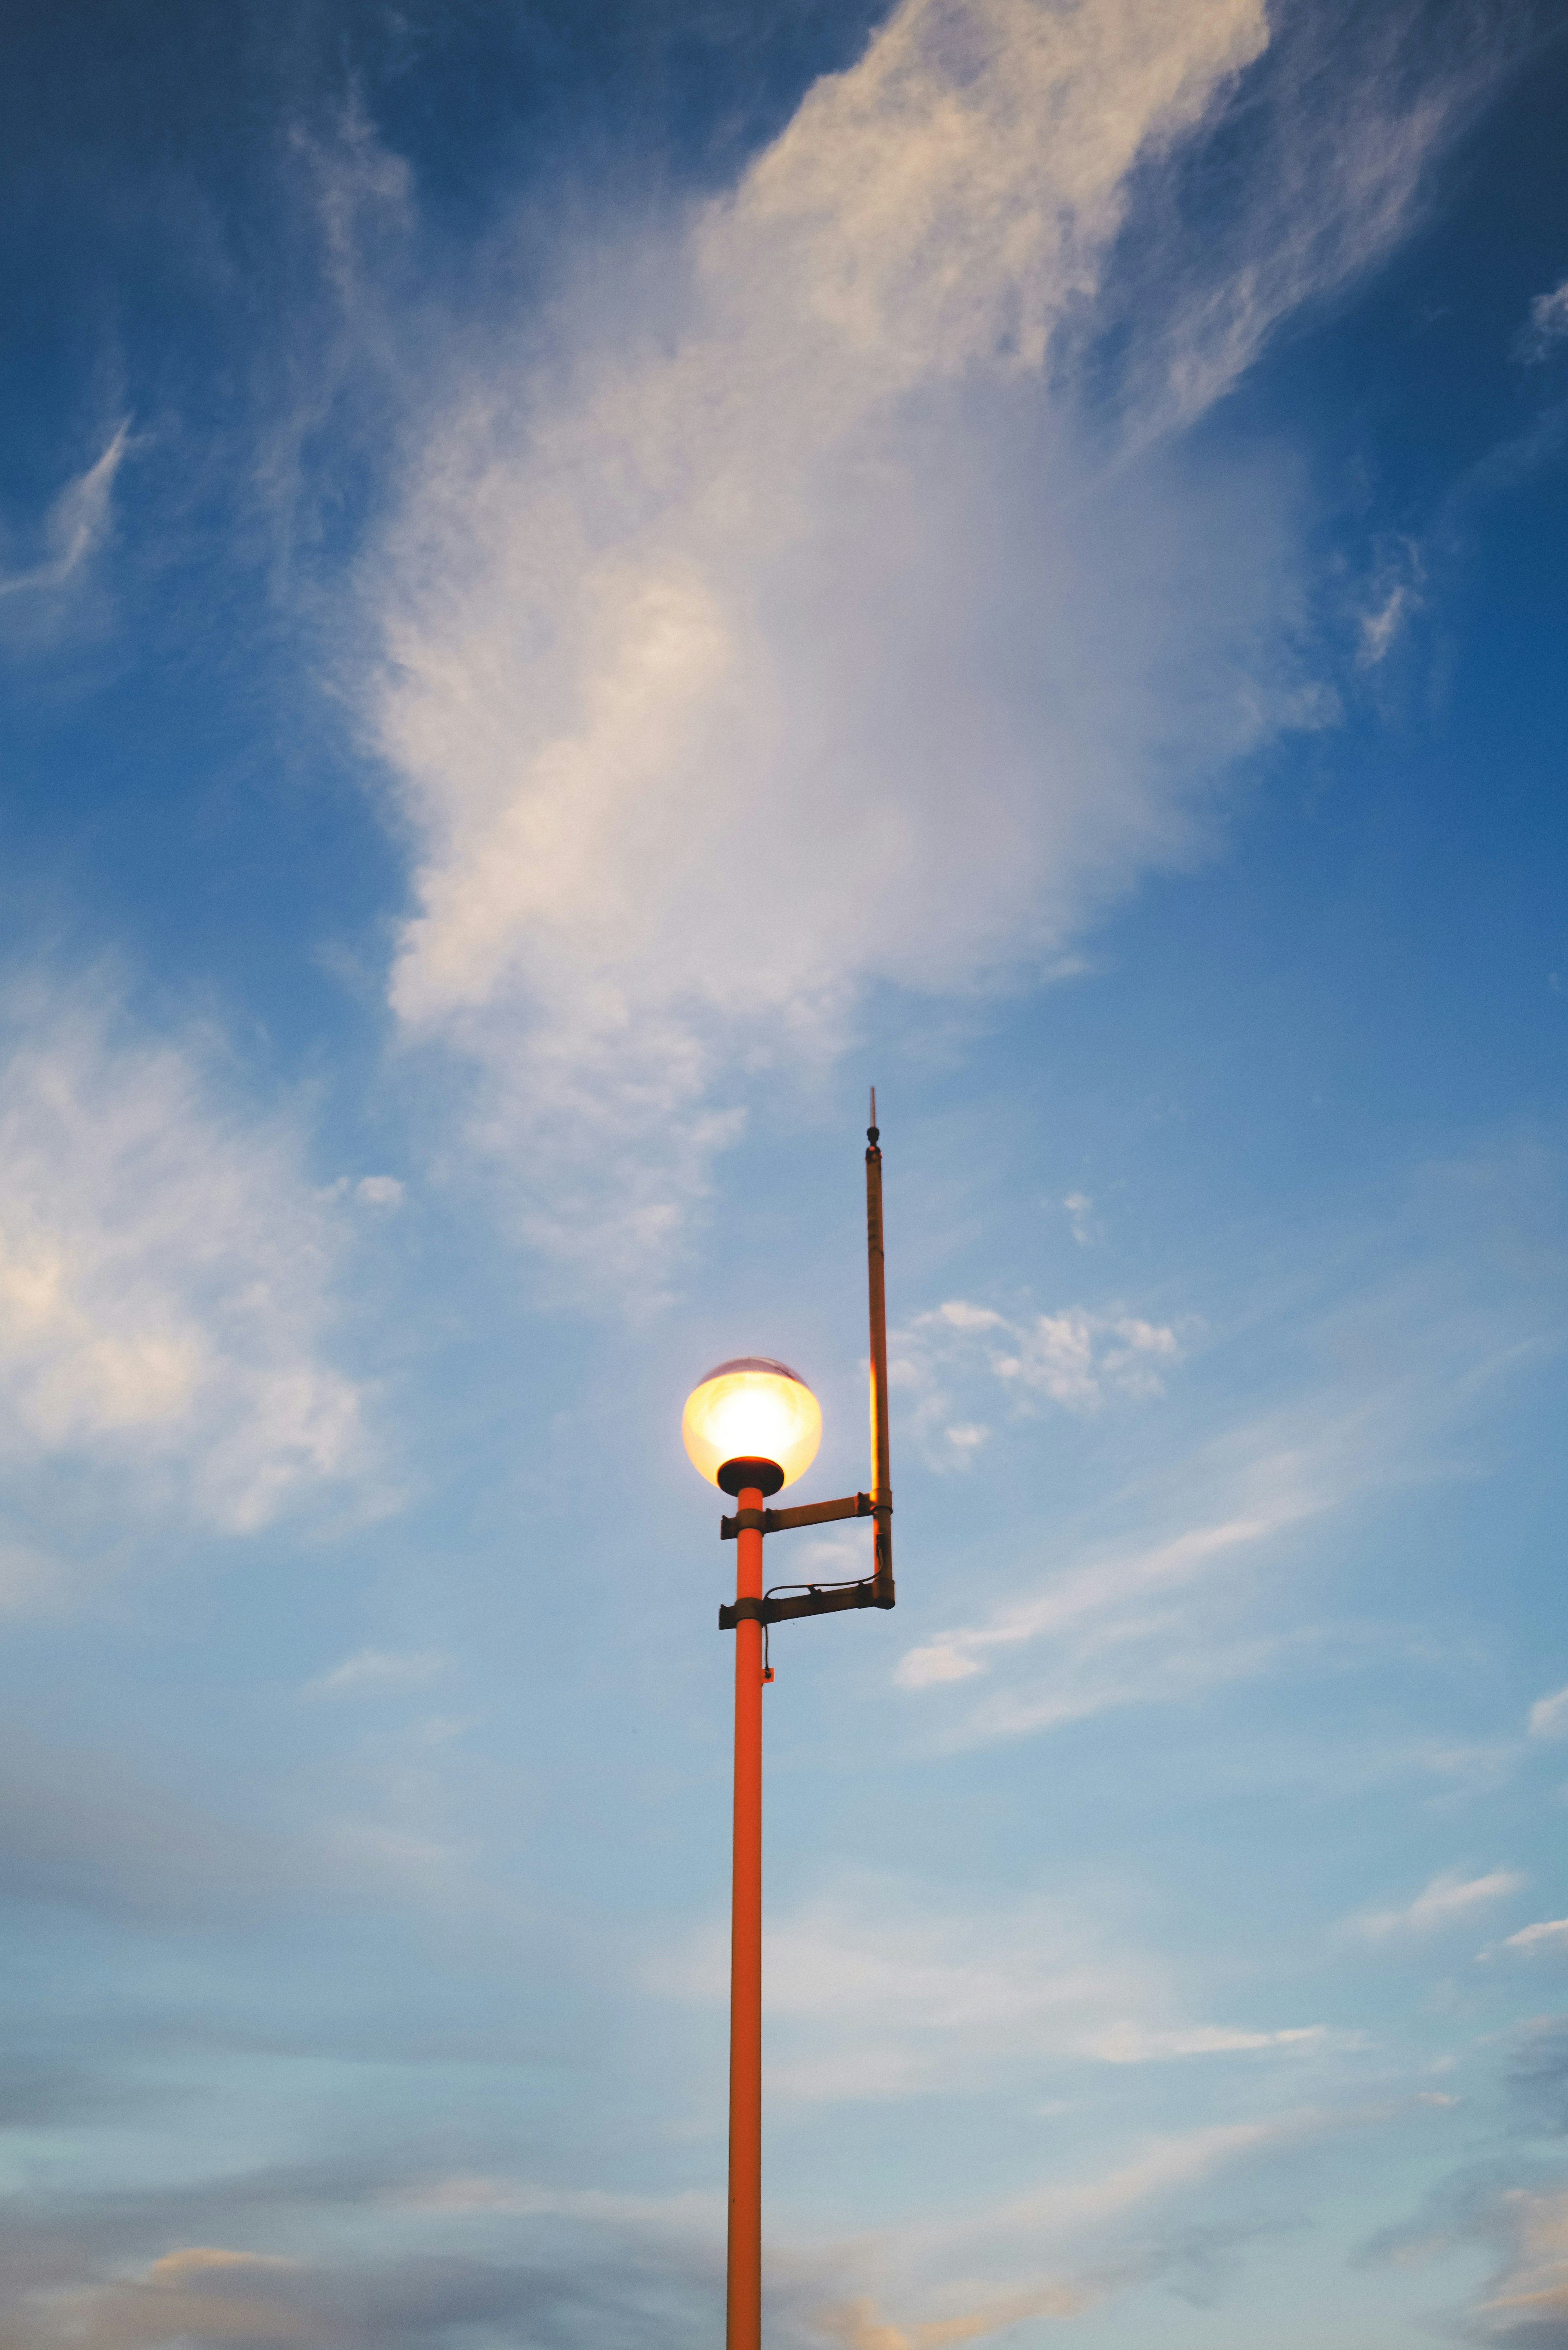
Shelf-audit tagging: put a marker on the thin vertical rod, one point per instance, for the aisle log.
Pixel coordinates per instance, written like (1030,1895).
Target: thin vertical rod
(743,2305)
(881,1475)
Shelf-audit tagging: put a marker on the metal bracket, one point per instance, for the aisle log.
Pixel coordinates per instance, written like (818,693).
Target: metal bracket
(810,1513)
(812,1601)
(744,1611)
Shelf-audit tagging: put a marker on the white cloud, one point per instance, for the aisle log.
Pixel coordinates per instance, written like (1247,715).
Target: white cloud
(165,1276)
(1092,2225)
(1081,1217)
(77,523)
(1394,587)
(1073,1358)
(1177,2160)
(1112,1630)
(856,2324)
(1153,1616)
(1445,1901)
(1548,323)
(1169,1586)
(463,2195)
(1549,1716)
(871,1995)
(353,198)
(370,1190)
(1092,2230)
(782,623)
(380,1190)
(379,1669)
(1551,1934)
(1381,627)
(1132,2043)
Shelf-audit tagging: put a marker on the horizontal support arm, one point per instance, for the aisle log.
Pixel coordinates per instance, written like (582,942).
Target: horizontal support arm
(810,1513)
(809,1601)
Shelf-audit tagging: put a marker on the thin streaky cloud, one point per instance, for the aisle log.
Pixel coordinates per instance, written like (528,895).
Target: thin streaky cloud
(1096,2226)
(1549,1715)
(856,2324)
(1548,323)
(371,1670)
(1131,2043)
(1397,598)
(77,523)
(1060,2210)
(1183,1596)
(873,1998)
(696,2212)
(1448,1899)
(1548,1935)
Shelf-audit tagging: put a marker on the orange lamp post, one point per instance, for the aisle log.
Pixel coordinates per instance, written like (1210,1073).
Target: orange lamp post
(752,1427)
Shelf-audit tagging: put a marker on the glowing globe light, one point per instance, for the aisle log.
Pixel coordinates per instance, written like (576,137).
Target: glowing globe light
(752,1410)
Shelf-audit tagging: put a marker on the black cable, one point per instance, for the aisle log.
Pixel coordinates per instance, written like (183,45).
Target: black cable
(844,1583)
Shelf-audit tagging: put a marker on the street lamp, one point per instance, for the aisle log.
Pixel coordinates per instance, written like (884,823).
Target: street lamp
(752,1427)
(753,1412)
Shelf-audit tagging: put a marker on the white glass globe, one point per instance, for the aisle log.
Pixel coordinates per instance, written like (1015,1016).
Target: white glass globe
(751,1409)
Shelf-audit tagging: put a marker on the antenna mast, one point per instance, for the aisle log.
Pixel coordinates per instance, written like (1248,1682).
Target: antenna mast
(881,1480)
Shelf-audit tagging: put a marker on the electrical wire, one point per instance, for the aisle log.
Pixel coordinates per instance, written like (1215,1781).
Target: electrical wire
(843,1583)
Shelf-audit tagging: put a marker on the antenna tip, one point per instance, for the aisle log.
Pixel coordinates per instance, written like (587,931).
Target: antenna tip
(871,1131)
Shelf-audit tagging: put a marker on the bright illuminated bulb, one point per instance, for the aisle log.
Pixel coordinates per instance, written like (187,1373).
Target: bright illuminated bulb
(752,1409)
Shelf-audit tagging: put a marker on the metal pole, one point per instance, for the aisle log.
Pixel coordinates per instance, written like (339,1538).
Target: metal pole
(881,1478)
(743,2304)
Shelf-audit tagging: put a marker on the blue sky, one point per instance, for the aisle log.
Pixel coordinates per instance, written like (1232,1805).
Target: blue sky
(576,588)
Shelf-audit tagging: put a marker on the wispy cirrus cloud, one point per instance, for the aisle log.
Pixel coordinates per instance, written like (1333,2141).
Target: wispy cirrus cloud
(800,615)
(370,1671)
(874,1993)
(1448,1900)
(1396,585)
(858,2326)
(76,526)
(1070,2244)
(1549,1715)
(1132,1623)
(1165,1589)
(1131,2043)
(167,1275)
(1547,1938)
(1548,323)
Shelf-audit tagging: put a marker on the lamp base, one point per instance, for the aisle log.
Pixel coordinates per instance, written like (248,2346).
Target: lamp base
(761,1476)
